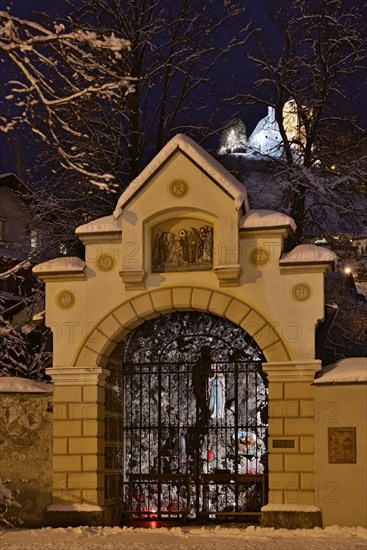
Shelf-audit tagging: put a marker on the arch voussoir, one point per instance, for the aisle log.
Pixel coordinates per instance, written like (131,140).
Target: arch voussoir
(143,306)
(253,323)
(200,299)
(181,298)
(236,311)
(266,337)
(219,303)
(162,300)
(99,344)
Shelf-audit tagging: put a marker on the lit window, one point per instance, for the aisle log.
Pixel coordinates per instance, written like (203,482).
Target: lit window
(2,230)
(34,238)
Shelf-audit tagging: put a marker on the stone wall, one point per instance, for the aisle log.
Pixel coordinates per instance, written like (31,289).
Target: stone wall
(341,445)
(26,447)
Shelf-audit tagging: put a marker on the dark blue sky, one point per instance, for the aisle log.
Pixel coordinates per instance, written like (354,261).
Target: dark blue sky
(238,78)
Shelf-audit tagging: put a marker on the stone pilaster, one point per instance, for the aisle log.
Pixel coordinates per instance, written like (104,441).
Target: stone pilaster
(78,439)
(291,431)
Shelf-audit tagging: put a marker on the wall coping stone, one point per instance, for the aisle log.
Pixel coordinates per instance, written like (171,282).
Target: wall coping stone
(291,516)
(14,384)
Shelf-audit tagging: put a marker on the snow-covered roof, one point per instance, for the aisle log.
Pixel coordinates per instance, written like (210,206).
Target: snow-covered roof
(255,219)
(12,384)
(266,137)
(107,224)
(71,264)
(190,148)
(308,253)
(11,180)
(353,369)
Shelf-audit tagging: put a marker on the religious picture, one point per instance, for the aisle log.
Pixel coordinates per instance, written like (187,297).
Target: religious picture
(217,396)
(184,245)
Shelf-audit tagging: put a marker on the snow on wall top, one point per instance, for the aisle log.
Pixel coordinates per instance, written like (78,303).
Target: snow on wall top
(201,157)
(12,384)
(71,264)
(266,218)
(353,369)
(74,508)
(308,253)
(290,508)
(107,224)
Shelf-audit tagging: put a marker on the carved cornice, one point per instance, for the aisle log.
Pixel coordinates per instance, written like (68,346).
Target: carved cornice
(305,267)
(71,376)
(108,237)
(133,280)
(264,232)
(228,275)
(291,371)
(60,276)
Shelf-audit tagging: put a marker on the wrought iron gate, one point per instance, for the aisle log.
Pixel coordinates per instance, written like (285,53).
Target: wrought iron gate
(195,420)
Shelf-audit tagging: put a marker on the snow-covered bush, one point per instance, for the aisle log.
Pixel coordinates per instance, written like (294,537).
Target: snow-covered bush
(7,500)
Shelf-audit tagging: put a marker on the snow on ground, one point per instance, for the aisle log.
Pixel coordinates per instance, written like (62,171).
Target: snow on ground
(184,538)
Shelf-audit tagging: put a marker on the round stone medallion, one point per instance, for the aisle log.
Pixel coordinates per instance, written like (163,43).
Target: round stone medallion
(178,189)
(105,262)
(65,299)
(301,292)
(259,256)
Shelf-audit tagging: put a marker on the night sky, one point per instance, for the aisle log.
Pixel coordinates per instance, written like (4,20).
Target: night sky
(238,78)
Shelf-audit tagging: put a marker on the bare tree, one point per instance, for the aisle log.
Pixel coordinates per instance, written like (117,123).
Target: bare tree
(348,335)
(177,57)
(308,74)
(25,347)
(53,72)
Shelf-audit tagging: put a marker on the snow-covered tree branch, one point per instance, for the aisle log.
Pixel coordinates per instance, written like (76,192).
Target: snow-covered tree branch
(52,71)
(309,74)
(177,54)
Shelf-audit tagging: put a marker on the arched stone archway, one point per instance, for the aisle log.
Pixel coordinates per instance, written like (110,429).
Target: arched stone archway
(101,340)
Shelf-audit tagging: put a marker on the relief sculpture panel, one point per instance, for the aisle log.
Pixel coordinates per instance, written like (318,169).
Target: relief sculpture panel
(342,445)
(182,245)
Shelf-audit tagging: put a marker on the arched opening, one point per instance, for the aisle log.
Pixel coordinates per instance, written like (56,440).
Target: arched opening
(186,420)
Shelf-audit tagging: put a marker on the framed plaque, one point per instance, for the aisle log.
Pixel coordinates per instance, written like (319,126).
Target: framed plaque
(342,445)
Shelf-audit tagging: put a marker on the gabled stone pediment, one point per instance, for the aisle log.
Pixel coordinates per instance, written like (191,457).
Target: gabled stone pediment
(184,196)
(212,171)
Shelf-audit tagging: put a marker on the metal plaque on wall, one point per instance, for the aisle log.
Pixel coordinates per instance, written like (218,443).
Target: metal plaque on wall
(342,445)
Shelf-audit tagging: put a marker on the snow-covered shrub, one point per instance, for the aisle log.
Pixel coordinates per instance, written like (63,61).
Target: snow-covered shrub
(7,500)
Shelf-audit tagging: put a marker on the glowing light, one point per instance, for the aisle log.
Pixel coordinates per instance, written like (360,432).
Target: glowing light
(347,270)
(333,167)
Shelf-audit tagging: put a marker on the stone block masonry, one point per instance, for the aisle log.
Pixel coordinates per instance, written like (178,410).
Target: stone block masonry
(291,432)
(26,448)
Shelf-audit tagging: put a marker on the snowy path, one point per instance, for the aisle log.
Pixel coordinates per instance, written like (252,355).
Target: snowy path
(185,538)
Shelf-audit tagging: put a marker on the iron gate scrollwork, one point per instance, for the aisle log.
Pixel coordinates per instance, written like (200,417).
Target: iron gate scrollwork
(195,419)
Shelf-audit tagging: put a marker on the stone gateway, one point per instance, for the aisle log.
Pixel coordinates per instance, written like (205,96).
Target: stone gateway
(183,242)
